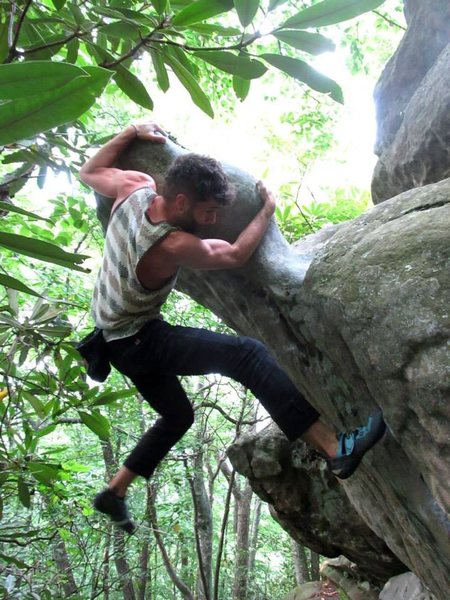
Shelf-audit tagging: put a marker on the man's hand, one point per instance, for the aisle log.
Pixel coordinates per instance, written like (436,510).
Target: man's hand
(269,201)
(150,131)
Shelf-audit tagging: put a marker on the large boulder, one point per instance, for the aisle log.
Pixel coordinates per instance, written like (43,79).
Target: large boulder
(412,99)
(358,315)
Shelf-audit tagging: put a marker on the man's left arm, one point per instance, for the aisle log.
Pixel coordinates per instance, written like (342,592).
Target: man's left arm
(98,172)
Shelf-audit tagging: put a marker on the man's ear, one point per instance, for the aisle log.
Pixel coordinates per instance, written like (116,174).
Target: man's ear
(181,203)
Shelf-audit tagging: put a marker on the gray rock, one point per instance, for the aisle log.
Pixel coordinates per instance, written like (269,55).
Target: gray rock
(412,100)
(359,316)
(406,587)
(309,503)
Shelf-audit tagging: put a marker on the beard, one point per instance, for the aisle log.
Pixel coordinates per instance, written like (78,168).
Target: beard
(187,223)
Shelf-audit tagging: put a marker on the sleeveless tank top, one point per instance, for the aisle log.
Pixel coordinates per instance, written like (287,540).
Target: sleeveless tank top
(121,305)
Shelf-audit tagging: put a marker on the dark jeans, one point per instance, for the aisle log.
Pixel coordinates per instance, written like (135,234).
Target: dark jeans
(159,352)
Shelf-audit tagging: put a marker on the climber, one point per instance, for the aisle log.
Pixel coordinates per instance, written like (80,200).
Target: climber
(149,237)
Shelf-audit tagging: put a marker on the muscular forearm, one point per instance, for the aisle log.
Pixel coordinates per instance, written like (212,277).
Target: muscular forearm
(251,236)
(108,154)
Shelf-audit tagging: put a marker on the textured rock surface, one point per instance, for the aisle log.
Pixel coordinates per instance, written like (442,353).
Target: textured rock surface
(314,590)
(345,576)
(310,504)
(406,587)
(413,104)
(359,316)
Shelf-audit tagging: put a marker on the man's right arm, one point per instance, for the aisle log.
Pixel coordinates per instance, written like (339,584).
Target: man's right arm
(186,250)
(99,173)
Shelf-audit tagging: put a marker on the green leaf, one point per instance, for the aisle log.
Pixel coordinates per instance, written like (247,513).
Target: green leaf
(330,12)
(11,208)
(303,72)
(28,116)
(120,29)
(211,29)
(314,43)
(200,11)
(24,493)
(132,87)
(188,81)
(15,284)
(273,4)
(58,4)
(160,70)
(41,250)
(241,87)
(72,50)
(160,6)
(37,405)
(110,397)
(246,10)
(236,64)
(42,472)
(96,423)
(19,80)
(14,561)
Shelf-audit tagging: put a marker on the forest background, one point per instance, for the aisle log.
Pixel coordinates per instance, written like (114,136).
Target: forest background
(290,102)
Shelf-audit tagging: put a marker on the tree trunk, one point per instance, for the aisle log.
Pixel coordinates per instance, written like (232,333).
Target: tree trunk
(315,566)
(203,526)
(242,551)
(254,536)
(300,563)
(62,561)
(177,582)
(120,559)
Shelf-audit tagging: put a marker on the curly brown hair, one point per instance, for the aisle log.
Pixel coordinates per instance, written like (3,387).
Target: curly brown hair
(201,178)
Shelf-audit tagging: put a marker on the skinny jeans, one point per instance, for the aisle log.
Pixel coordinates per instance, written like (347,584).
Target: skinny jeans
(159,352)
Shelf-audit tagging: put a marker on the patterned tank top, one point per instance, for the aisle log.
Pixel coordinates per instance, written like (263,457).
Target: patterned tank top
(121,305)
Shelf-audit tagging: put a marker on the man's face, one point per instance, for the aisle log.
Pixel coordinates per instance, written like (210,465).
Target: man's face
(198,213)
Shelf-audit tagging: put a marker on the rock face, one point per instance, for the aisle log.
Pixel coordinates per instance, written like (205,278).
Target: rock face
(405,587)
(412,99)
(358,315)
(310,504)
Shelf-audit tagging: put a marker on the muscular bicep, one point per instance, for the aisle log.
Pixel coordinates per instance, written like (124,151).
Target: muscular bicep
(187,250)
(115,183)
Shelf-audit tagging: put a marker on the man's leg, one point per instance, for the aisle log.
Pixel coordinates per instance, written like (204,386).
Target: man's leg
(166,395)
(191,351)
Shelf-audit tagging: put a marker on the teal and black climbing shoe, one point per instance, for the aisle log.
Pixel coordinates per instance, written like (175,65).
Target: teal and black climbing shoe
(108,503)
(352,446)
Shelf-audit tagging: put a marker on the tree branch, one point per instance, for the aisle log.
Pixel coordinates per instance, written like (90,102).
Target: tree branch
(12,46)
(390,21)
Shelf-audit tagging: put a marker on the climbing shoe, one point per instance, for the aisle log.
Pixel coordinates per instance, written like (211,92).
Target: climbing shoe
(352,446)
(108,503)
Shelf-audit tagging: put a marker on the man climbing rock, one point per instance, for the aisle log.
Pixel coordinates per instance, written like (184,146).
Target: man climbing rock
(149,237)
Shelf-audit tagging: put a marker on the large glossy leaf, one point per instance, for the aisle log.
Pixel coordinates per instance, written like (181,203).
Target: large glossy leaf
(15,284)
(236,64)
(133,87)
(41,250)
(188,81)
(160,70)
(120,29)
(303,72)
(200,11)
(246,10)
(160,6)
(28,116)
(314,43)
(330,12)
(18,80)
(43,472)
(241,87)
(96,423)
(15,209)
